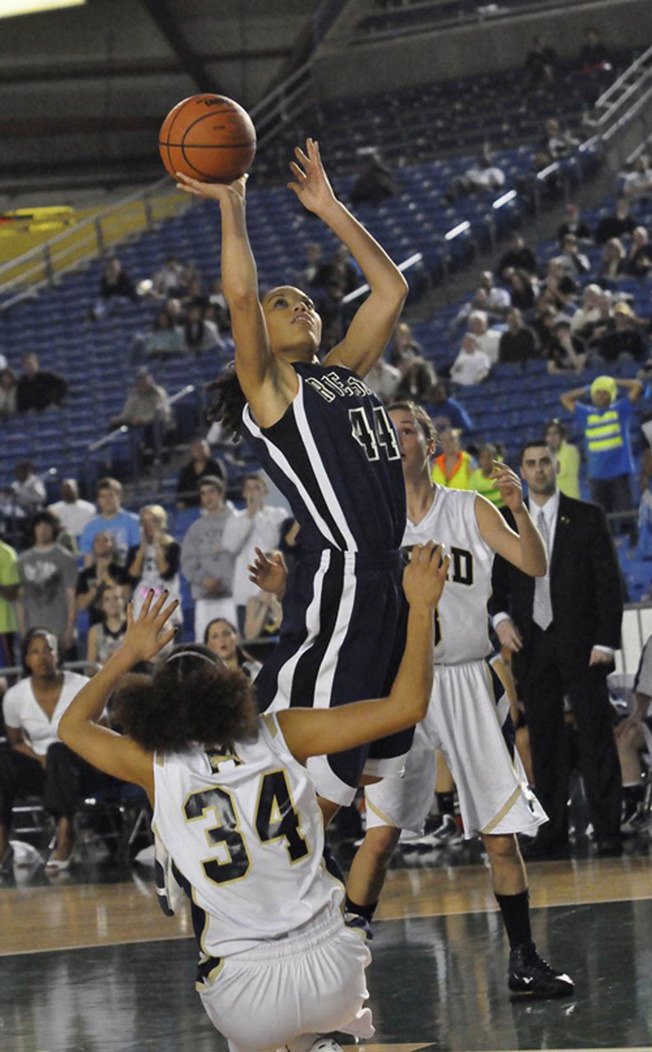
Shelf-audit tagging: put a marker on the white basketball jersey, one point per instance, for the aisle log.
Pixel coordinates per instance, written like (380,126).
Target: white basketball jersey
(461,629)
(246,837)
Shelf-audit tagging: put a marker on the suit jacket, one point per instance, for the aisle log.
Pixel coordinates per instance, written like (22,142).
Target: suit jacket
(585,584)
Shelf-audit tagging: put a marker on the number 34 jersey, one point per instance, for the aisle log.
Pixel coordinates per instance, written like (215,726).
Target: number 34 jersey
(335,456)
(245,834)
(461,628)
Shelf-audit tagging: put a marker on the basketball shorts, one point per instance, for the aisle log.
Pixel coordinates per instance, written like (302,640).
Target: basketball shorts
(468,720)
(289,991)
(342,640)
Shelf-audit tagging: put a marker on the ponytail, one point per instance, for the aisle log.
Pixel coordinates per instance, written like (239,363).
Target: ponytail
(227,401)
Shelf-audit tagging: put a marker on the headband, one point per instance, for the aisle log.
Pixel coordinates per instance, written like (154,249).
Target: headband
(189,653)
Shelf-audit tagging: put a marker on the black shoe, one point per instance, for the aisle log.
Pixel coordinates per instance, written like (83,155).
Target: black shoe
(530,976)
(356,920)
(606,846)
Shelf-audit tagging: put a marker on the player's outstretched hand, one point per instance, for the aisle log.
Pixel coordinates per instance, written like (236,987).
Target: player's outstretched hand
(146,635)
(213,191)
(310,182)
(509,485)
(269,572)
(425,575)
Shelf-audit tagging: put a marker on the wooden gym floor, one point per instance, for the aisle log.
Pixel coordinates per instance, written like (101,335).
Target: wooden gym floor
(88,963)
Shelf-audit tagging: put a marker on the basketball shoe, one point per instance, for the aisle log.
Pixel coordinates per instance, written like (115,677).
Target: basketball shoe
(530,976)
(445,833)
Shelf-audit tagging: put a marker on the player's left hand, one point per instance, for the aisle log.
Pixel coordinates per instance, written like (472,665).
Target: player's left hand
(146,635)
(425,575)
(509,485)
(269,572)
(311,183)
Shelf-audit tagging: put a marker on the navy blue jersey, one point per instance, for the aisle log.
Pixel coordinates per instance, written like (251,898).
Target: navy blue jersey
(335,456)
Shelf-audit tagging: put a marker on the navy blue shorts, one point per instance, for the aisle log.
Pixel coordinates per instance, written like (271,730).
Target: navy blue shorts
(342,640)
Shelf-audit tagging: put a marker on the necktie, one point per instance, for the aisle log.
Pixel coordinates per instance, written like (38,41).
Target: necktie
(542,609)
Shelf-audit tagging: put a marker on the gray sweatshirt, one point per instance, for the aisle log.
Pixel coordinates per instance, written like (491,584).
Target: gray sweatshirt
(202,554)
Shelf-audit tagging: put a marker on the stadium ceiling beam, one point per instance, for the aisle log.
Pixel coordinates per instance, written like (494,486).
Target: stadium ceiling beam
(161,13)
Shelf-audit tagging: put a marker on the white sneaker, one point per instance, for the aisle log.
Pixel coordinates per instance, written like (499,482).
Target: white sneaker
(326,1044)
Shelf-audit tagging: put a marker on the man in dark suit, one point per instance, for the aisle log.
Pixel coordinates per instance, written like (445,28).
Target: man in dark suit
(563,629)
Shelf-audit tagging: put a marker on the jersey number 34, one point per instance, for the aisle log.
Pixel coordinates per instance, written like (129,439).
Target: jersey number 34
(276,819)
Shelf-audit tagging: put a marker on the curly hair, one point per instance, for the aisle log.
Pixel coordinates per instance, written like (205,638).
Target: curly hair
(191,698)
(227,401)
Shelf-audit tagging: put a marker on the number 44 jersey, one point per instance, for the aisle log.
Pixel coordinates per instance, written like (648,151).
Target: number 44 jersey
(335,456)
(461,620)
(245,834)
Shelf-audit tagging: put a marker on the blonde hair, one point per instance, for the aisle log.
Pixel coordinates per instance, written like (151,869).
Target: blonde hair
(158,512)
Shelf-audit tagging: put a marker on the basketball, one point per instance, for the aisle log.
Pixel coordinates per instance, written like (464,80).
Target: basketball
(208,137)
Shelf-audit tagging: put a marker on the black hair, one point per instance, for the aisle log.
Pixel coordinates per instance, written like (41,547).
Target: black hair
(227,401)
(45,516)
(192,698)
(26,643)
(538,441)
(559,424)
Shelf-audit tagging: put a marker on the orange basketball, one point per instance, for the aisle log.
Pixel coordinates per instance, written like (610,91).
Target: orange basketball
(208,137)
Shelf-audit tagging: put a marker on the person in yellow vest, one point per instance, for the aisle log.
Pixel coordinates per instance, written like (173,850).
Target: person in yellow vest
(605,422)
(568,457)
(453,467)
(482,479)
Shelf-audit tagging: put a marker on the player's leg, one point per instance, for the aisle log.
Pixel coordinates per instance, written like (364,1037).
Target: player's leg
(369,870)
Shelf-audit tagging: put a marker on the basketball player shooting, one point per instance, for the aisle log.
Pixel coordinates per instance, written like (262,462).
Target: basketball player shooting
(329,446)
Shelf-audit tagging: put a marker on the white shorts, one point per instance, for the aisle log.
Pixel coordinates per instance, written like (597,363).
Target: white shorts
(464,721)
(290,991)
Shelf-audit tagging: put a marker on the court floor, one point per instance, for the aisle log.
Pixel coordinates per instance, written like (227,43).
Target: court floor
(88,963)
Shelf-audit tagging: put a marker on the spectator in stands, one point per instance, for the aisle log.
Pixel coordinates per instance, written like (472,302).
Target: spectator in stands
(258,525)
(9,582)
(483,175)
(205,563)
(447,412)
(402,339)
(339,268)
(383,379)
(517,256)
(605,424)
(111,517)
(595,330)
(594,56)
(312,264)
(375,183)
(103,572)
(168,279)
(164,340)
(554,144)
(541,62)
(638,260)
(417,377)
(218,308)
(498,299)
(27,492)
(107,634)
(48,576)
(153,565)
(616,225)
(486,340)
(472,365)
(148,415)
(8,392)
(573,224)
(199,334)
(482,478)
(453,467)
(564,351)
(560,284)
(568,458)
(518,344)
(623,339)
(521,288)
(201,463)
(37,762)
(573,261)
(38,388)
(612,265)
(115,285)
(589,313)
(73,513)
(638,182)
(264,613)
(221,636)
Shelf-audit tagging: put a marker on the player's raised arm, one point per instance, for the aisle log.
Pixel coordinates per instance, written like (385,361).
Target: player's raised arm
(525,548)
(313,732)
(372,326)
(254,361)
(78,729)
